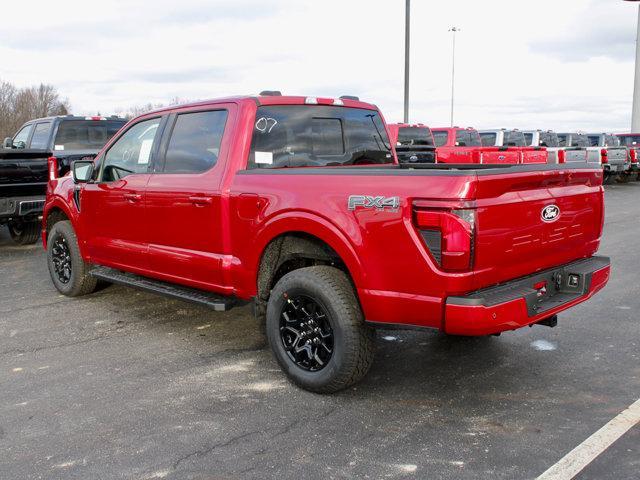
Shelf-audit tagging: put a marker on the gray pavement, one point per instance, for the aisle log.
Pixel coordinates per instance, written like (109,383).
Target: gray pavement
(124,384)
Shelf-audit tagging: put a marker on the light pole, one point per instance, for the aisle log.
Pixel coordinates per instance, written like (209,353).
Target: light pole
(635,111)
(453,67)
(407,28)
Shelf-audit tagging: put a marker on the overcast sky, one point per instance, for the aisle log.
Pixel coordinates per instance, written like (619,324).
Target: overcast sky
(545,64)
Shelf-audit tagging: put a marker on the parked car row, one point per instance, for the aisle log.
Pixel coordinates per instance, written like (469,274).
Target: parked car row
(617,155)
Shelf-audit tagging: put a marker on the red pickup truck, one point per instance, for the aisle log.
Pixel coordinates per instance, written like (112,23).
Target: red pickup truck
(463,145)
(300,206)
(414,142)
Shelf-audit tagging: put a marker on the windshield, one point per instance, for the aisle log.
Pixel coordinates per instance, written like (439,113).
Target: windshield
(415,136)
(85,134)
(312,136)
(629,140)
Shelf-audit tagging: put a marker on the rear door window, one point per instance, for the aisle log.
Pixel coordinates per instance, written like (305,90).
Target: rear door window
(194,145)
(40,137)
(440,138)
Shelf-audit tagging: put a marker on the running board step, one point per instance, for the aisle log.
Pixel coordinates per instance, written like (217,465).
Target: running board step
(219,303)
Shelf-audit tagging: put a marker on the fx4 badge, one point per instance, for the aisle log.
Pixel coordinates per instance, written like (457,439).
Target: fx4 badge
(377,202)
(550,213)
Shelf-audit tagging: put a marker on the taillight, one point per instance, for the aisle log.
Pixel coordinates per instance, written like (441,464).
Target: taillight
(562,156)
(449,236)
(603,155)
(633,155)
(52,163)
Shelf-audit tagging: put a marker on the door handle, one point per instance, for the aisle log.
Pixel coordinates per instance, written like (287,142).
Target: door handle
(200,201)
(132,197)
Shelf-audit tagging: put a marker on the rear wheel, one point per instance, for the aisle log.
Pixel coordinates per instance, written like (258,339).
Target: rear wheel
(69,273)
(24,232)
(316,330)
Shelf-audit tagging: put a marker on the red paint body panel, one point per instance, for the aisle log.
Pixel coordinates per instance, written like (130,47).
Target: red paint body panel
(217,243)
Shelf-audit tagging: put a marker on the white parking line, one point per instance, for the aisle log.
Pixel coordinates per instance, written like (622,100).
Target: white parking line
(581,456)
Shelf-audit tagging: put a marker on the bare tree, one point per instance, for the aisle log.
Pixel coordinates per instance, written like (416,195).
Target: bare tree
(20,105)
(137,110)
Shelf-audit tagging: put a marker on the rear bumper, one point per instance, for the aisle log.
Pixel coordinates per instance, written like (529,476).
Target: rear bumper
(517,303)
(16,207)
(616,167)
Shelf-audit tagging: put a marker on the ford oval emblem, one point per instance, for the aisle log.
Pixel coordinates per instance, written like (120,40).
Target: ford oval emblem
(550,213)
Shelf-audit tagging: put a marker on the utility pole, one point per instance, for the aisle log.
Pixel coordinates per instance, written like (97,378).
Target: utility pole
(407,29)
(453,67)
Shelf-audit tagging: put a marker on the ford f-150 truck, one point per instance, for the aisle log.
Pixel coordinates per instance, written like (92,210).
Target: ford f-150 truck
(556,153)
(632,142)
(615,159)
(463,145)
(515,139)
(414,142)
(300,206)
(25,159)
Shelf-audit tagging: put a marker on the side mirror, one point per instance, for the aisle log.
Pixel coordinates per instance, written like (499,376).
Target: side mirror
(8,143)
(82,171)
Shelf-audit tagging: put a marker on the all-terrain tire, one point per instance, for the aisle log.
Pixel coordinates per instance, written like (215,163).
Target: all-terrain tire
(24,232)
(353,340)
(80,281)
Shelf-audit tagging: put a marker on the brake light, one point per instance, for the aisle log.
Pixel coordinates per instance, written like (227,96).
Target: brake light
(562,156)
(603,155)
(633,154)
(52,163)
(449,236)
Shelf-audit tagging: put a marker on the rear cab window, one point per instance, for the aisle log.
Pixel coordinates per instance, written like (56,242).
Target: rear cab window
(488,139)
(513,138)
(629,140)
(316,136)
(415,136)
(562,140)
(85,134)
(468,138)
(549,139)
(579,140)
(440,138)
(528,137)
(594,140)
(611,141)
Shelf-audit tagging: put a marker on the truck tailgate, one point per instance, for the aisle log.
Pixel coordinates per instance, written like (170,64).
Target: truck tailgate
(531,220)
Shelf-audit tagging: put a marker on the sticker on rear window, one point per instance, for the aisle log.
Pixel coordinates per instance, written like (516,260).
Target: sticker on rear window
(58,147)
(264,158)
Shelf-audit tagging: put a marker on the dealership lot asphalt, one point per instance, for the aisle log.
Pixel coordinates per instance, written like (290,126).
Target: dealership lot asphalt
(124,384)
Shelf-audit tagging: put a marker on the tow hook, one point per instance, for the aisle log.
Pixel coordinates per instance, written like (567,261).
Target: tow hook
(549,322)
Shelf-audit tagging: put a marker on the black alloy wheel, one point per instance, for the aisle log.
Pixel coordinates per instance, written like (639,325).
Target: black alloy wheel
(61,258)
(306,333)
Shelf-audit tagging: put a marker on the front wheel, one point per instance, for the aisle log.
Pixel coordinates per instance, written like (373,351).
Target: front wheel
(316,330)
(24,232)
(69,272)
